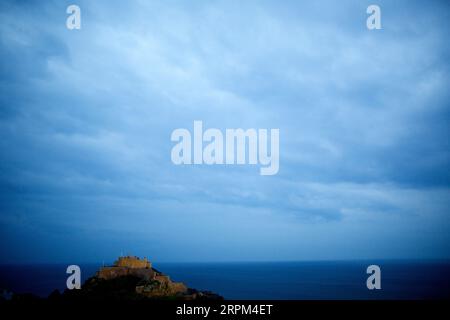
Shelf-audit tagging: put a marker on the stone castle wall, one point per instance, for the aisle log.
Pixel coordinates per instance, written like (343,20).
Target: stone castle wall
(108,273)
(132,262)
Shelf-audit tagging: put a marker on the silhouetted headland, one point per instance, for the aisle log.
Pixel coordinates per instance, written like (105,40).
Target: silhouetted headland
(129,279)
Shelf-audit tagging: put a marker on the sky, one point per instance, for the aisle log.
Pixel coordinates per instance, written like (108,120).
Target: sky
(86,118)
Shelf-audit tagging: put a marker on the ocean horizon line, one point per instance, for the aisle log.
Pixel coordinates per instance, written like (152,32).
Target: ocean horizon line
(359,260)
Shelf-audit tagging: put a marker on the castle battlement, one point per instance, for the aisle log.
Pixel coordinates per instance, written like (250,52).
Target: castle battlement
(133,263)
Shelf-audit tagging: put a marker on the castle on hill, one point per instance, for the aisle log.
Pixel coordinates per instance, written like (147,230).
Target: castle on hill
(153,283)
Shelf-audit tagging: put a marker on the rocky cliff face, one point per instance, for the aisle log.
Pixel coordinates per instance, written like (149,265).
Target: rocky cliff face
(108,273)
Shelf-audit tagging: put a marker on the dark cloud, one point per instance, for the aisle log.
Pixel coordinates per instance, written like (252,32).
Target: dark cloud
(86,118)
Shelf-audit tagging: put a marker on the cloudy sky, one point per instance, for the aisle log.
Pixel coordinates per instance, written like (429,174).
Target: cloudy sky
(86,117)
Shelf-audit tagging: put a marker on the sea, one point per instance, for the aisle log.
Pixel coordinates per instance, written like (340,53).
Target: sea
(336,280)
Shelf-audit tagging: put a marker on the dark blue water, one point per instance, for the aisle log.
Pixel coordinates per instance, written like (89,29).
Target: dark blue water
(271,280)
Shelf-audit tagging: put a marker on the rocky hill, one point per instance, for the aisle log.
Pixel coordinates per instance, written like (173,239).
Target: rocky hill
(131,278)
